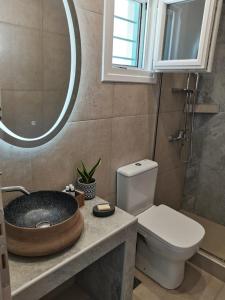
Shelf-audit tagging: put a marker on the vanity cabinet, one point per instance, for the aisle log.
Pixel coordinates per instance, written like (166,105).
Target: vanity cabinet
(99,266)
(100,280)
(5,291)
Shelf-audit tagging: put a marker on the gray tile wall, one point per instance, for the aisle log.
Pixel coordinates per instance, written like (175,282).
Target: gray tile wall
(113,121)
(170,156)
(205,178)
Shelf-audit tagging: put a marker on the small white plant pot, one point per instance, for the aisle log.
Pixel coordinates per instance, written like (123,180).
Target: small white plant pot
(89,189)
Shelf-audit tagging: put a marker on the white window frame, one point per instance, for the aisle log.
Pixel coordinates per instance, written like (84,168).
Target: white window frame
(154,39)
(201,63)
(115,73)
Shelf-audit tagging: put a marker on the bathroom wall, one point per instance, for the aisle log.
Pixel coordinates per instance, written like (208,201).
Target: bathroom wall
(170,156)
(205,178)
(113,121)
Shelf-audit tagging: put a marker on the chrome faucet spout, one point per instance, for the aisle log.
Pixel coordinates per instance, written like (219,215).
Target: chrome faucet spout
(8,189)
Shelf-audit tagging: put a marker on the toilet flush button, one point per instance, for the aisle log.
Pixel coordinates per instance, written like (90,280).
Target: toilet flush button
(138,164)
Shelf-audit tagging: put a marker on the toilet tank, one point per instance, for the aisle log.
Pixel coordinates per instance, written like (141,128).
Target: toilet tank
(136,186)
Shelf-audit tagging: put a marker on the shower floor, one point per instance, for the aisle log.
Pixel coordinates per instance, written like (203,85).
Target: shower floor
(214,240)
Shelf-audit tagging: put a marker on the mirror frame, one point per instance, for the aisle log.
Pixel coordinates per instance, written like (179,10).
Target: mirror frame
(75,44)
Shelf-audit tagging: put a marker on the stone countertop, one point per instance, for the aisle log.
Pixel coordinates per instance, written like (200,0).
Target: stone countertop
(27,272)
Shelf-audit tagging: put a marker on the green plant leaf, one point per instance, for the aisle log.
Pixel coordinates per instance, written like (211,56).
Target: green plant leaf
(81,175)
(91,173)
(85,171)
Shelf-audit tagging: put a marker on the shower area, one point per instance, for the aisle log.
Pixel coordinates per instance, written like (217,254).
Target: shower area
(190,147)
(204,188)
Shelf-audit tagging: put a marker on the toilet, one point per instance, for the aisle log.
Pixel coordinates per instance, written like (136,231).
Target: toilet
(166,238)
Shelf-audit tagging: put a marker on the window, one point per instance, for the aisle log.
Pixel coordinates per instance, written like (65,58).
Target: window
(128,33)
(181,43)
(127,55)
(143,37)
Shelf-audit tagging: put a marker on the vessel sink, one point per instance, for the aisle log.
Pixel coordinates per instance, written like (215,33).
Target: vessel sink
(42,223)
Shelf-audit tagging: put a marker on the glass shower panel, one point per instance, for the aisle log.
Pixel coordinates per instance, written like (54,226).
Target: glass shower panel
(183,29)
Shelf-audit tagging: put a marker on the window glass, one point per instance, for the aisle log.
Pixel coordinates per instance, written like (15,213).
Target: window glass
(127,31)
(126,9)
(183,29)
(124,29)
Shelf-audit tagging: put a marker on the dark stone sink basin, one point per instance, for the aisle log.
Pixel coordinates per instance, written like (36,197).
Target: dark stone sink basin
(42,223)
(40,208)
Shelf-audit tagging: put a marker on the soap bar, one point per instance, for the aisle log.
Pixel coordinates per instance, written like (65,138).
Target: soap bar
(103,210)
(103,207)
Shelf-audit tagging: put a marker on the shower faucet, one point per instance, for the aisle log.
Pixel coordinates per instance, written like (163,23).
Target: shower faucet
(180,136)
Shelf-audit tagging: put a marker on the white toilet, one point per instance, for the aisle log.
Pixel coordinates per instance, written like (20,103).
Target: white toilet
(166,237)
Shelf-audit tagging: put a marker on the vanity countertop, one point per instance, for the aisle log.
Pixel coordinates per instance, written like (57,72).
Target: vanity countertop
(33,274)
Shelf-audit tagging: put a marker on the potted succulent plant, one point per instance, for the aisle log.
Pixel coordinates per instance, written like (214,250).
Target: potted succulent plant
(86,182)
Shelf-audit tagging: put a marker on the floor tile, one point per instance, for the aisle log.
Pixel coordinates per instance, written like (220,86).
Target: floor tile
(221,294)
(197,285)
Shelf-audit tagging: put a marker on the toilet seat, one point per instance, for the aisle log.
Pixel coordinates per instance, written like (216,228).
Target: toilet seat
(171,227)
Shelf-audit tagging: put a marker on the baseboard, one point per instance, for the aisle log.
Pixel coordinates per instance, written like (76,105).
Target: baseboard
(210,264)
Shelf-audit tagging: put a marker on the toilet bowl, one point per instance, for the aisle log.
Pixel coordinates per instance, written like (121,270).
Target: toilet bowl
(166,238)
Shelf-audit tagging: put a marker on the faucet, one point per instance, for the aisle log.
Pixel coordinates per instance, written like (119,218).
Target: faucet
(179,136)
(8,189)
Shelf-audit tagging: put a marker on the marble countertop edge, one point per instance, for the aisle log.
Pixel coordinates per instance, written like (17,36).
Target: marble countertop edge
(71,258)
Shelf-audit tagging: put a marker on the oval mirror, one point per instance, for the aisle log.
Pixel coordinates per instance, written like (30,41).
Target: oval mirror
(40,61)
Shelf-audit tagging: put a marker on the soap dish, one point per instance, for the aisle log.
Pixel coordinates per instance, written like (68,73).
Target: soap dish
(103,213)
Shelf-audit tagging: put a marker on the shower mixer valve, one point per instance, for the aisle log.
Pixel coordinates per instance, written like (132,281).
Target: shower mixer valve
(179,136)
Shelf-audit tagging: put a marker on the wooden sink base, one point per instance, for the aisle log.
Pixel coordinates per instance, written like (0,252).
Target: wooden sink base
(44,241)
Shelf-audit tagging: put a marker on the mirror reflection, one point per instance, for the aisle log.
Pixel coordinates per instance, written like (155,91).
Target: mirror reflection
(35,54)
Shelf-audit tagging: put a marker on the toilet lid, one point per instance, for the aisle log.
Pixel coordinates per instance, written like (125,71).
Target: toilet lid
(171,226)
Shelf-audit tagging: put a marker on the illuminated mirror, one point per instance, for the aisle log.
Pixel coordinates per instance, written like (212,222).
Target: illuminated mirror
(39,69)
